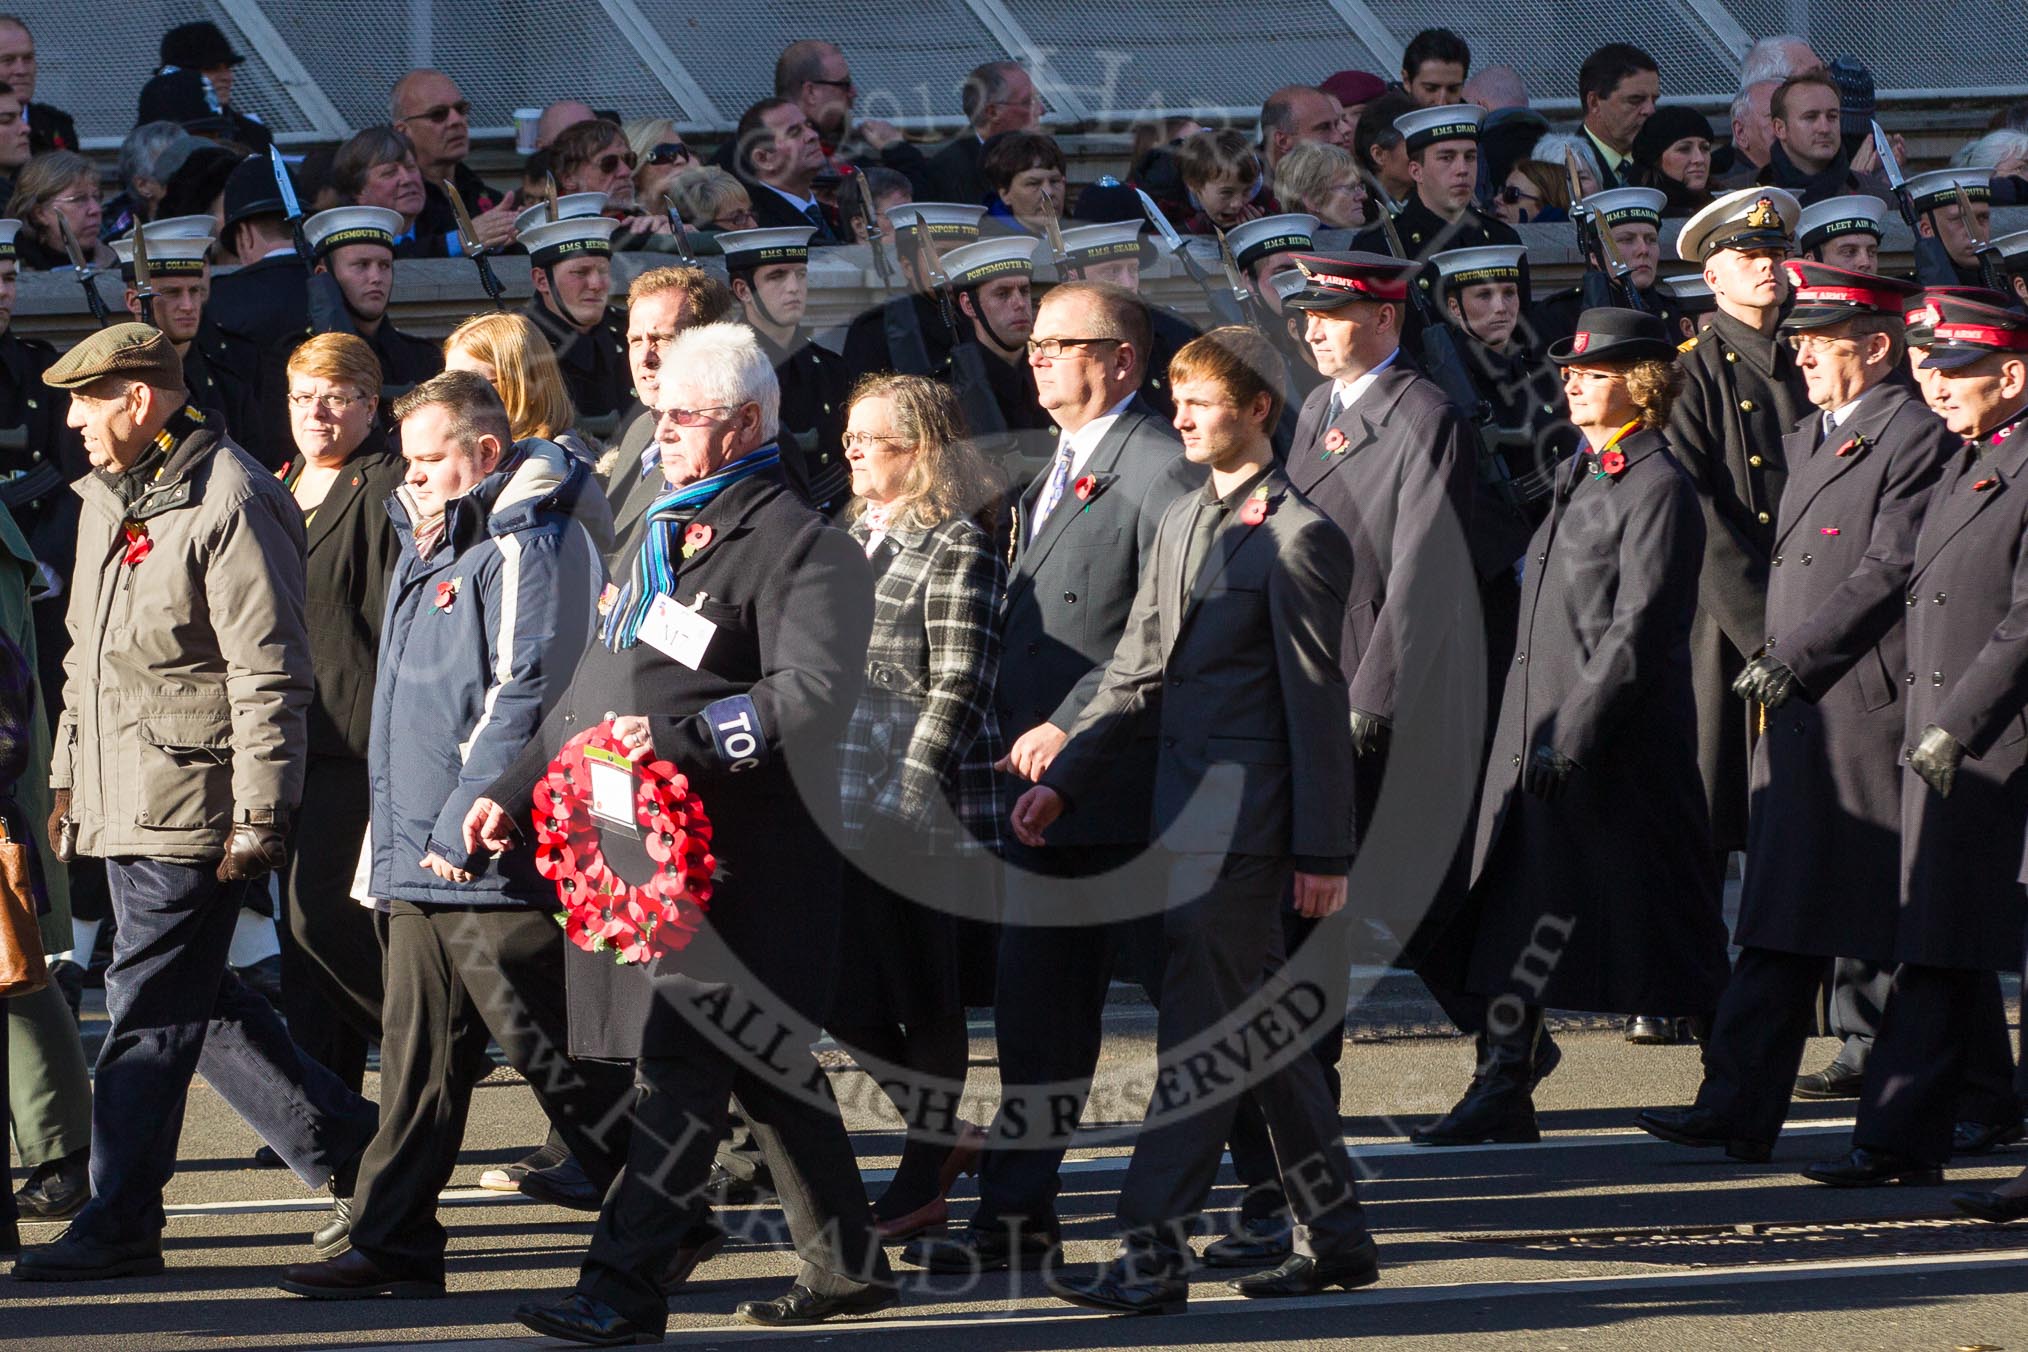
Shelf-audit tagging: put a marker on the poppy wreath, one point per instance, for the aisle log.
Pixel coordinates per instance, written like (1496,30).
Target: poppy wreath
(602,911)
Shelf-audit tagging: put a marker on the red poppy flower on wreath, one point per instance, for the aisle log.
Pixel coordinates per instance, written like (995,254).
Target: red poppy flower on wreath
(636,922)
(138,543)
(696,536)
(1613,464)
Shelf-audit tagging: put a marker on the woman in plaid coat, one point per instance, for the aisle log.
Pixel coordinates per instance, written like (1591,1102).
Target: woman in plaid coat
(921,805)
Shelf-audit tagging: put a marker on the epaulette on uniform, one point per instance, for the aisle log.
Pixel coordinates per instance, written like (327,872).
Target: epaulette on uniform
(1686,344)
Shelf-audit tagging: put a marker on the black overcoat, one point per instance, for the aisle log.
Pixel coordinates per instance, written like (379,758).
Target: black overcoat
(1604,898)
(1823,855)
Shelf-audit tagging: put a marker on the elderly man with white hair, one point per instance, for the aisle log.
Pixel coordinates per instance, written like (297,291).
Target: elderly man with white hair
(733,645)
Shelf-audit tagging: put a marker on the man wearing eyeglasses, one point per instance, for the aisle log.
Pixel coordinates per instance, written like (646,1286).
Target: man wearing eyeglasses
(998,97)
(813,75)
(48,128)
(428,109)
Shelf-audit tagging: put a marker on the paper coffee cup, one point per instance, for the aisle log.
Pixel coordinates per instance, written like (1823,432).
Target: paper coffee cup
(525,120)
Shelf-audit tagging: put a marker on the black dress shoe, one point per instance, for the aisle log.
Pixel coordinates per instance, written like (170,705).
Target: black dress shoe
(1981,1138)
(1256,1244)
(1489,1112)
(577,1318)
(81,1258)
(725,1188)
(699,1242)
(1701,1128)
(1651,1030)
(58,1189)
(353,1276)
(1300,1276)
(1996,1207)
(334,1236)
(804,1306)
(983,1249)
(563,1185)
(1835,1081)
(1127,1285)
(1864,1168)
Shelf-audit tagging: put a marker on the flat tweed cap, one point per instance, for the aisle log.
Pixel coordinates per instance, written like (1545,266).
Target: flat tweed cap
(137,351)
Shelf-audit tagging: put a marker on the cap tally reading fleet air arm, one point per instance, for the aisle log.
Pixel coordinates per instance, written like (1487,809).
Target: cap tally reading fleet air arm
(972,265)
(1290,232)
(746,250)
(949,223)
(1338,279)
(1451,122)
(1850,214)
(1750,218)
(333,229)
(176,247)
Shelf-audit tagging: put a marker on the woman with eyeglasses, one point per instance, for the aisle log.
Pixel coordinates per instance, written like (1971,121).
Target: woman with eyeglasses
(660,154)
(711,202)
(1323,180)
(56,189)
(921,804)
(594,157)
(341,473)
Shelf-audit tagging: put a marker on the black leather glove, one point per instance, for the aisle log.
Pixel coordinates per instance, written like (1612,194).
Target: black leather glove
(1936,759)
(254,849)
(1545,772)
(1369,732)
(1767,681)
(62,830)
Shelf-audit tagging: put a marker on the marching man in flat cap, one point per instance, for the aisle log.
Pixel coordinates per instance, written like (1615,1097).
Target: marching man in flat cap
(179,760)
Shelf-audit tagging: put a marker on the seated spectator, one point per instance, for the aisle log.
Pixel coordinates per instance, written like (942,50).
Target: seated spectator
(1551,150)
(16,137)
(1294,114)
(149,157)
(889,189)
(594,157)
(1808,155)
(1496,87)
(1434,67)
(1025,174)
(558,118)
(377,168)
(1153,160)
(1534,190)
(1673,153)
(200,50)
(511,354)
(1222,175)
(660,154)
(48,128)
(1324,181)
(997,97)
(57,183)
(713,201)
(1354,90)
(1382,151)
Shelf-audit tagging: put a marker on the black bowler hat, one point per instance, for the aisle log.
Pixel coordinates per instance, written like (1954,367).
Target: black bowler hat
(250,191)
(198,46)
(1607,334)
(183,96)
(1823,295)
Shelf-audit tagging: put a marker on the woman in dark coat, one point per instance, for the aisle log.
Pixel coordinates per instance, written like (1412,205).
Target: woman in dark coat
(1594,885)
(1673,153)
(341,474)
(921,803)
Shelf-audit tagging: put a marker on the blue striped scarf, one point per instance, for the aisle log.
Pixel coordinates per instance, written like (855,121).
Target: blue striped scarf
(654,573)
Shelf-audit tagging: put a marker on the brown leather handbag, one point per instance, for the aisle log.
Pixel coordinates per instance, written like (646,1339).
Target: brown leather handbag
(22,969)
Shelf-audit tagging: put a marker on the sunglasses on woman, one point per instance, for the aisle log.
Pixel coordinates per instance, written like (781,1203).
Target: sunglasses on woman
(670,152)
(1510,195)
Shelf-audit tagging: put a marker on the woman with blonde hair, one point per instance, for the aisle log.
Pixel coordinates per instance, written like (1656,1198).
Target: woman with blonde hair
(1322,179)
(660,156)
(518,362)
(57,183)
(921,805)
(712,200)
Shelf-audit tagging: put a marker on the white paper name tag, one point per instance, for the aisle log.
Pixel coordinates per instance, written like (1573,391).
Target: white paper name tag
(612,788)
(677,631)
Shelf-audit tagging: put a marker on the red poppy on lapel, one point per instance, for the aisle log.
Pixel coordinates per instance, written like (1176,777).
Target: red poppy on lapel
(1089,486)
(1827,530)
(138,543)
(1334,440)
(696,536)
(1984,484)
(1852,444)
(1255,509)
(447,594)
(1613,464)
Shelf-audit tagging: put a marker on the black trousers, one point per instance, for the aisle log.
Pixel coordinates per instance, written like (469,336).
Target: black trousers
(1756,1045)
(1253,1154)
(1859,990)
(1942,1056)
(1222,938)
(685,1080)
(331,977)
(454,975)
(1048,1010)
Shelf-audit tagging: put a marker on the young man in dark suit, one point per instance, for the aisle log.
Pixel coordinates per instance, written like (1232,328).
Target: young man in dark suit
(1083,533)
(1230,658)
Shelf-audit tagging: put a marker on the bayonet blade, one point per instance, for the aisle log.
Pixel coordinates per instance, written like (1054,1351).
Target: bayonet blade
(676,230)
(1053,231)
(291,208)
(1885,149)
(468,237)
(1159,221)
(1233,278)
(554,193)
(70,246)
(1965,216)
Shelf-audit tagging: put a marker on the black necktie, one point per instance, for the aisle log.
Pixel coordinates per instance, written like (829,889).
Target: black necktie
(814,213)
(1203,528)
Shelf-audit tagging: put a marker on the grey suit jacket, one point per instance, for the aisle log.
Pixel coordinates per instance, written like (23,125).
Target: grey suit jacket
(628,490)
(1068,595)
(1240,678)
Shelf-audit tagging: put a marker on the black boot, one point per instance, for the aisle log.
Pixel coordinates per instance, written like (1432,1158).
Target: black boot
(1499,1104)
